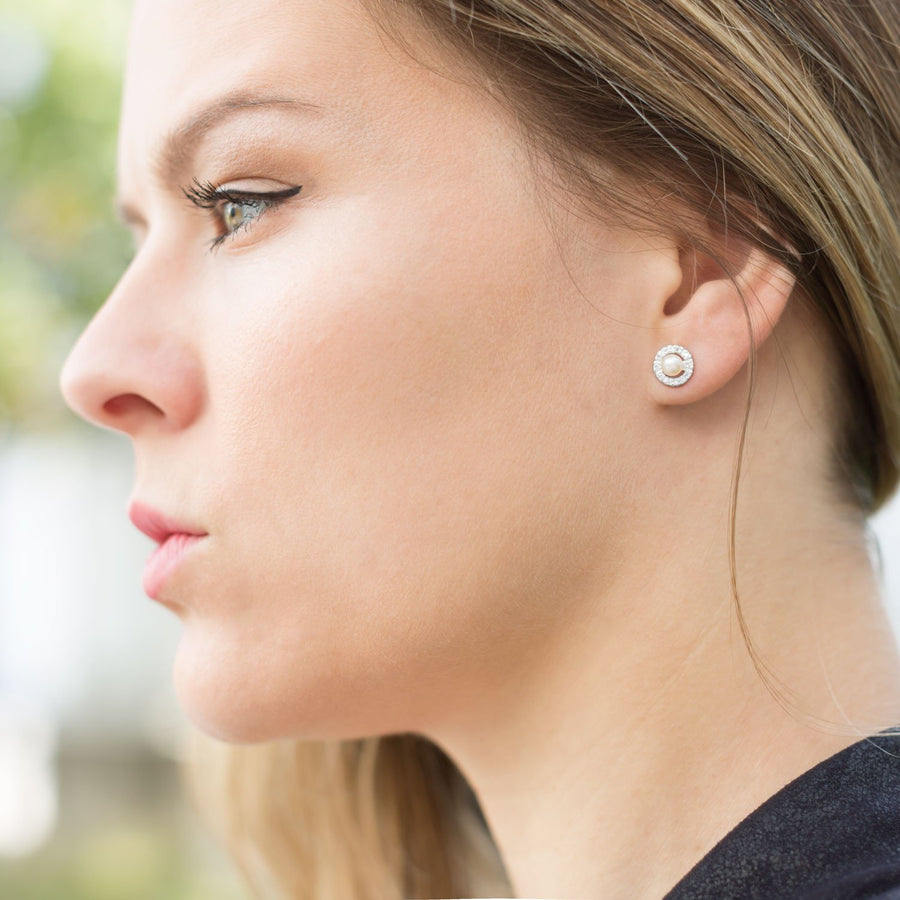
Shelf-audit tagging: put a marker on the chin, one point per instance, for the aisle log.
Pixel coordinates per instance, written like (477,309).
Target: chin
(236,697)
(221,705)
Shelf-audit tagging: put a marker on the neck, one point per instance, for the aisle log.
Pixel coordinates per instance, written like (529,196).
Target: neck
(640,730)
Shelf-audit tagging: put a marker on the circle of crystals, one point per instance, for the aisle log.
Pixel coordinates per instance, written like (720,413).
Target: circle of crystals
(687,365)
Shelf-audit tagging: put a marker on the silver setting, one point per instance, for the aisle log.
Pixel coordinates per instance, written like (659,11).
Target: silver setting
(686,359)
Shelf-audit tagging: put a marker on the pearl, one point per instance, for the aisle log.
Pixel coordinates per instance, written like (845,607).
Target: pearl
(672,365)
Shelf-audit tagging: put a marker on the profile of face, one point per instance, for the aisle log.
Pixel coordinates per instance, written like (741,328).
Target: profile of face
(373,352)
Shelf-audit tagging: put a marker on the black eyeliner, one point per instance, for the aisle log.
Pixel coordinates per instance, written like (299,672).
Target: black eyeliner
(208,196)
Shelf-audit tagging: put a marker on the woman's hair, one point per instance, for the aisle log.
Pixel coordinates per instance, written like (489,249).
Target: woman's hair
(772,121)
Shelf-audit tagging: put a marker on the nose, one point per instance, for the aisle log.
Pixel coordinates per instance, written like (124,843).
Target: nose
(136,366)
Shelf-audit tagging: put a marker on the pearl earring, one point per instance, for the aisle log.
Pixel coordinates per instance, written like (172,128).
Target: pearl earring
(673,365)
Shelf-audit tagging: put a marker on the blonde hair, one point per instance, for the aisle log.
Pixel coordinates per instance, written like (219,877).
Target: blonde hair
(777,122)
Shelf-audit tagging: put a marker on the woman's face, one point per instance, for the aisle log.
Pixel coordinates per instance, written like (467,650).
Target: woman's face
(368,357)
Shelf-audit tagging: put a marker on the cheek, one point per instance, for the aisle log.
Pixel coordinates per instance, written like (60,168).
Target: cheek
(394,433)
(379,362)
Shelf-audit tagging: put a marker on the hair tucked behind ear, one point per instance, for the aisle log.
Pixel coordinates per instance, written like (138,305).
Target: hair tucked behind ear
(774,121)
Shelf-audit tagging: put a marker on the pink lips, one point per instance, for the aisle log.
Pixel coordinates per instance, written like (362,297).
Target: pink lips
(174,538)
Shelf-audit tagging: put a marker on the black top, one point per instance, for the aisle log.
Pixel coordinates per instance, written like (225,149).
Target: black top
(831,834)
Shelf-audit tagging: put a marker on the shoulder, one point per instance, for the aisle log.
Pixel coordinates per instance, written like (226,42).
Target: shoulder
(831,834)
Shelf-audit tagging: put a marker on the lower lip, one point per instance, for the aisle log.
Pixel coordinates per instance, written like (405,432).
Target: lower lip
(165,560)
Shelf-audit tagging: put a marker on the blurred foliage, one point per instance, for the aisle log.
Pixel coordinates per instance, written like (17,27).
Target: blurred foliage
(124,831)
(61,249)
(137,863)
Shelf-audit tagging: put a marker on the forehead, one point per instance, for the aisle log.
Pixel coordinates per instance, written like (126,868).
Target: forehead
(181,48)
(187,55)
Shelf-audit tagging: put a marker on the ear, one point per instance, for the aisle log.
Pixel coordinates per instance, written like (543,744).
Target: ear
(716,317)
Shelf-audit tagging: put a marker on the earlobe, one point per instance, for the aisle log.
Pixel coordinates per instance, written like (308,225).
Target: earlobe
(712,316)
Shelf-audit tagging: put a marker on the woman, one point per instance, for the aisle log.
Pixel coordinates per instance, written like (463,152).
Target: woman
(509,384)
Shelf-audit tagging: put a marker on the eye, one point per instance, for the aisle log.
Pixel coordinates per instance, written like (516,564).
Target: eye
(236,215)
(234,210)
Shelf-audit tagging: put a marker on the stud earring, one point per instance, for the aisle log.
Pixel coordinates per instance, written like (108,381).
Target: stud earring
(673,365)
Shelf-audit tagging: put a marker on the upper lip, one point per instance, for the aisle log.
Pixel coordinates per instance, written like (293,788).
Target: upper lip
(157,525)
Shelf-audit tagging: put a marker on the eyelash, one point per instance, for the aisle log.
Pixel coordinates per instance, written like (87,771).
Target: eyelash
(209,196)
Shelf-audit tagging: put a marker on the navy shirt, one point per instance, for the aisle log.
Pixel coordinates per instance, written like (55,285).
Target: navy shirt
(831,834)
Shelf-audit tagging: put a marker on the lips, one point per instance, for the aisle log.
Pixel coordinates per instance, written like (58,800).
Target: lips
(156,525)
(175,539)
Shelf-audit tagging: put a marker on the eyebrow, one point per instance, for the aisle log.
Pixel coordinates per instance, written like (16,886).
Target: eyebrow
(178,148)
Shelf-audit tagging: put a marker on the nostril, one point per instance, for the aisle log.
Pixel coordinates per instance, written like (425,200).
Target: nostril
(123,405)
(124,382)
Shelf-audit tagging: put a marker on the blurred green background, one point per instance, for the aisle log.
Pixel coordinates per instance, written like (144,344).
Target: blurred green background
(90,801)
(60,247)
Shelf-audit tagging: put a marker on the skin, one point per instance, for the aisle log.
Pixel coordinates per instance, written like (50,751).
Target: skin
(413,408)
